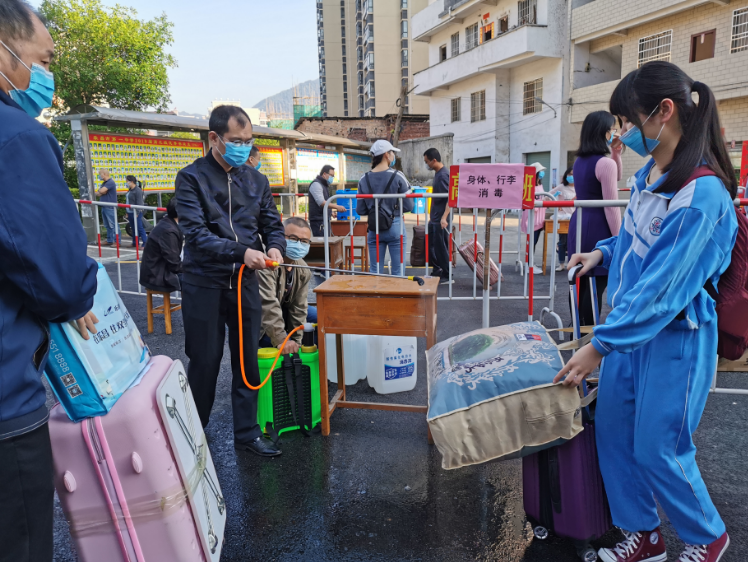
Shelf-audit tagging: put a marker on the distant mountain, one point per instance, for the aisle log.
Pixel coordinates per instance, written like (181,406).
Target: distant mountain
(283,102)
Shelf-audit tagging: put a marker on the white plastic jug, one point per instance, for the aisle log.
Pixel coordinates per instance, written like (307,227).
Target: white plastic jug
(355,352)
(393,364)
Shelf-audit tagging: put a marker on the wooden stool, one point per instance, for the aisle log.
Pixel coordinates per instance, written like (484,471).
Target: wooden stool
(364,256)
(166,309)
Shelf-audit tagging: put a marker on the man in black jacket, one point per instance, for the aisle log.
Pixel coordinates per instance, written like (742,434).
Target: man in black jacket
(226,212)
(319,192)
(161,267)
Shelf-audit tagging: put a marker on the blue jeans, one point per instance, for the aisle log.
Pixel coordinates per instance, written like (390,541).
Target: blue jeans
(141,228)
(387,239)
(109,218)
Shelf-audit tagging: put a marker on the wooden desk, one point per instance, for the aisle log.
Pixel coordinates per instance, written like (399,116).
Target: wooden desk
(360,230)
(316,256)
(371,306)
(563,228)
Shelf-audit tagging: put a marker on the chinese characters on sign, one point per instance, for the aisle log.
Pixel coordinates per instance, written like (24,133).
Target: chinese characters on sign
(272,165)
(154,161)
(490,186)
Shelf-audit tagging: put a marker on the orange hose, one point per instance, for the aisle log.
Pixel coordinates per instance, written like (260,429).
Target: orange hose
(241,339)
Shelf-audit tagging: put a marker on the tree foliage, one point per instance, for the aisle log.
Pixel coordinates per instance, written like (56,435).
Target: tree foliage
(108,56)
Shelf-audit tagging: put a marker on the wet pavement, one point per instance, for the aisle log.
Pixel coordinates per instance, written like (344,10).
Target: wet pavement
(374,490)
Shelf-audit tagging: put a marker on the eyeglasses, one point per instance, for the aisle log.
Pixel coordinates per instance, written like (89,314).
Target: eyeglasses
(238,144)
(294,238)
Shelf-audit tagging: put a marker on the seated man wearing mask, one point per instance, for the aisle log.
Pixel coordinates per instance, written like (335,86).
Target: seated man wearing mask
(284,291)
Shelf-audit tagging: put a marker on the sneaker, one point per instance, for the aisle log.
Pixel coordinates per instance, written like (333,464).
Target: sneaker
(706,553)
(646,546)
(445,281)
(561,267)
(537,270)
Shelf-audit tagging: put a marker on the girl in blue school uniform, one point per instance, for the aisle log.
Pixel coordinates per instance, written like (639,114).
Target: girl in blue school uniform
(658,345)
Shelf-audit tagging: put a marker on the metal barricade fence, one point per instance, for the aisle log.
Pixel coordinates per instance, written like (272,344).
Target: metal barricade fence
(136,239)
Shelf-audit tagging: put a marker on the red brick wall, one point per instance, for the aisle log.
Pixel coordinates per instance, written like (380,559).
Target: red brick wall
(367,129)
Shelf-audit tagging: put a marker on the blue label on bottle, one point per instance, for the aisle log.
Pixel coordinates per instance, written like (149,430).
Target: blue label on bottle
(399,362)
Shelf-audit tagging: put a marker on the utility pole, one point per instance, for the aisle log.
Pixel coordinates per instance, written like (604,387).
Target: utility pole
(396,134)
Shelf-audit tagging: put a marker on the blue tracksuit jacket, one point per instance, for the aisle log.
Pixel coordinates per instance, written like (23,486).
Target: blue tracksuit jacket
(45,275)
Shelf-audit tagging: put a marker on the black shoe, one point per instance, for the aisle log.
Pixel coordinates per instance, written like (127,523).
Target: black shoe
(260,446)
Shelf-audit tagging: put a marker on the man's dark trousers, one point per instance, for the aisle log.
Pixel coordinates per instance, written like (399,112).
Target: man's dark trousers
(27,497)
(439,248)
(206,312)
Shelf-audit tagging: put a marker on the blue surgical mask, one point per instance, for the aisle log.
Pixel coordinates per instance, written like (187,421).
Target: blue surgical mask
(236,156)
(259,165)
(609,141)
(329,180)
(296,250)
(392,164)
(634,138)
(570,179)
(541,174)
(38,96)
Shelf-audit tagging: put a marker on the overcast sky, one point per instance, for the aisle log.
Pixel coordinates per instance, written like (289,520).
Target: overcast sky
(235,49)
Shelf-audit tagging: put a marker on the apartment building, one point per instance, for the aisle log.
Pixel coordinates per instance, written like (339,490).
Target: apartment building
(366,55)
(497,80)
(707,39)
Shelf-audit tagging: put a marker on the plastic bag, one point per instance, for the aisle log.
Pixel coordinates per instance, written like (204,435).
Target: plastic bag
(89,376)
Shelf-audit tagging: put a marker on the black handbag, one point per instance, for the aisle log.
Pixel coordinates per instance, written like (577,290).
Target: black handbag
(385,219)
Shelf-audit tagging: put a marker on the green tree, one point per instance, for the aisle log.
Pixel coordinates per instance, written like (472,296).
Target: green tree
(107,55)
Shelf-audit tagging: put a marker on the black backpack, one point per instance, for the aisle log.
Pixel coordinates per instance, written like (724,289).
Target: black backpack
(385,219)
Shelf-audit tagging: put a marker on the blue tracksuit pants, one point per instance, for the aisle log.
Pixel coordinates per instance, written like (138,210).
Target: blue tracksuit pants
(649,404)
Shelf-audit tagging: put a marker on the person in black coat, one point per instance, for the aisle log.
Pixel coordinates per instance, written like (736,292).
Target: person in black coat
(161,268)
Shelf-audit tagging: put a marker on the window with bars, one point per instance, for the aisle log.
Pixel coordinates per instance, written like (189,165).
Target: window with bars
(471,37)
(533,93)
(455,44)
(403,4)
(655,47)
(370,61)
(404,29)
(456,109)
(478,106)
(739,40)
(528,12)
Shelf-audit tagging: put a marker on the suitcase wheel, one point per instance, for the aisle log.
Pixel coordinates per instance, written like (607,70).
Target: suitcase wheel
(540,533)
(587,554)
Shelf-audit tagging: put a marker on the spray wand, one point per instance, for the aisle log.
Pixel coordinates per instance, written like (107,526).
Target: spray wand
(271,263)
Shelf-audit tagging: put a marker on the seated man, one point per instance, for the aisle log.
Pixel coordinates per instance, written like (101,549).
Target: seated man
(161,268)
(284,291)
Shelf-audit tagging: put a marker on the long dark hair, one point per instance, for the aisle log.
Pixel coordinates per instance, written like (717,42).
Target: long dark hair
(641,92)
(376,160)
(592,141)
(566,173)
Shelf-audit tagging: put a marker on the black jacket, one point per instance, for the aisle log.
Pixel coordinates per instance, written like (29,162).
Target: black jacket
(316,213)
(219,223)
(162,260)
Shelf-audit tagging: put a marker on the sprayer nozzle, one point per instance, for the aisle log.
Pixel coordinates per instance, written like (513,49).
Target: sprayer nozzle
(309,327)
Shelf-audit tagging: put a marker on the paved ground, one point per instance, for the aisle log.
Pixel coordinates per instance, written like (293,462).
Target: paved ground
(375,491)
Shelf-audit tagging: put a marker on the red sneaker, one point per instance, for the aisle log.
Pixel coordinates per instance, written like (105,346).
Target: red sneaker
(646,546)
(706,552)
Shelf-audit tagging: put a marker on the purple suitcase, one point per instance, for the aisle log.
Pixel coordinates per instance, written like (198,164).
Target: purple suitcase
(563,488)
(121,477)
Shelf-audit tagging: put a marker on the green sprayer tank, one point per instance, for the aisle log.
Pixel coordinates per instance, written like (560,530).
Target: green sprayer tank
(274,404)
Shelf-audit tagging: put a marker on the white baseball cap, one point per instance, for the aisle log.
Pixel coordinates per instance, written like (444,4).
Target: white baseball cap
(538,167)
(381,146)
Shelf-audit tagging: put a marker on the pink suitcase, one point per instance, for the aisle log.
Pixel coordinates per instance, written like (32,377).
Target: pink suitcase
(467,251)
(138,484)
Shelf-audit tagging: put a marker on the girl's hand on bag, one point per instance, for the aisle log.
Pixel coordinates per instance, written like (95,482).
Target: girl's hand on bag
(579,367)
(588,261)
(86,324)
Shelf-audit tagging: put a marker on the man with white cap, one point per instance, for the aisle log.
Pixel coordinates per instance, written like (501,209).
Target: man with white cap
(383,178)
(539,222)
